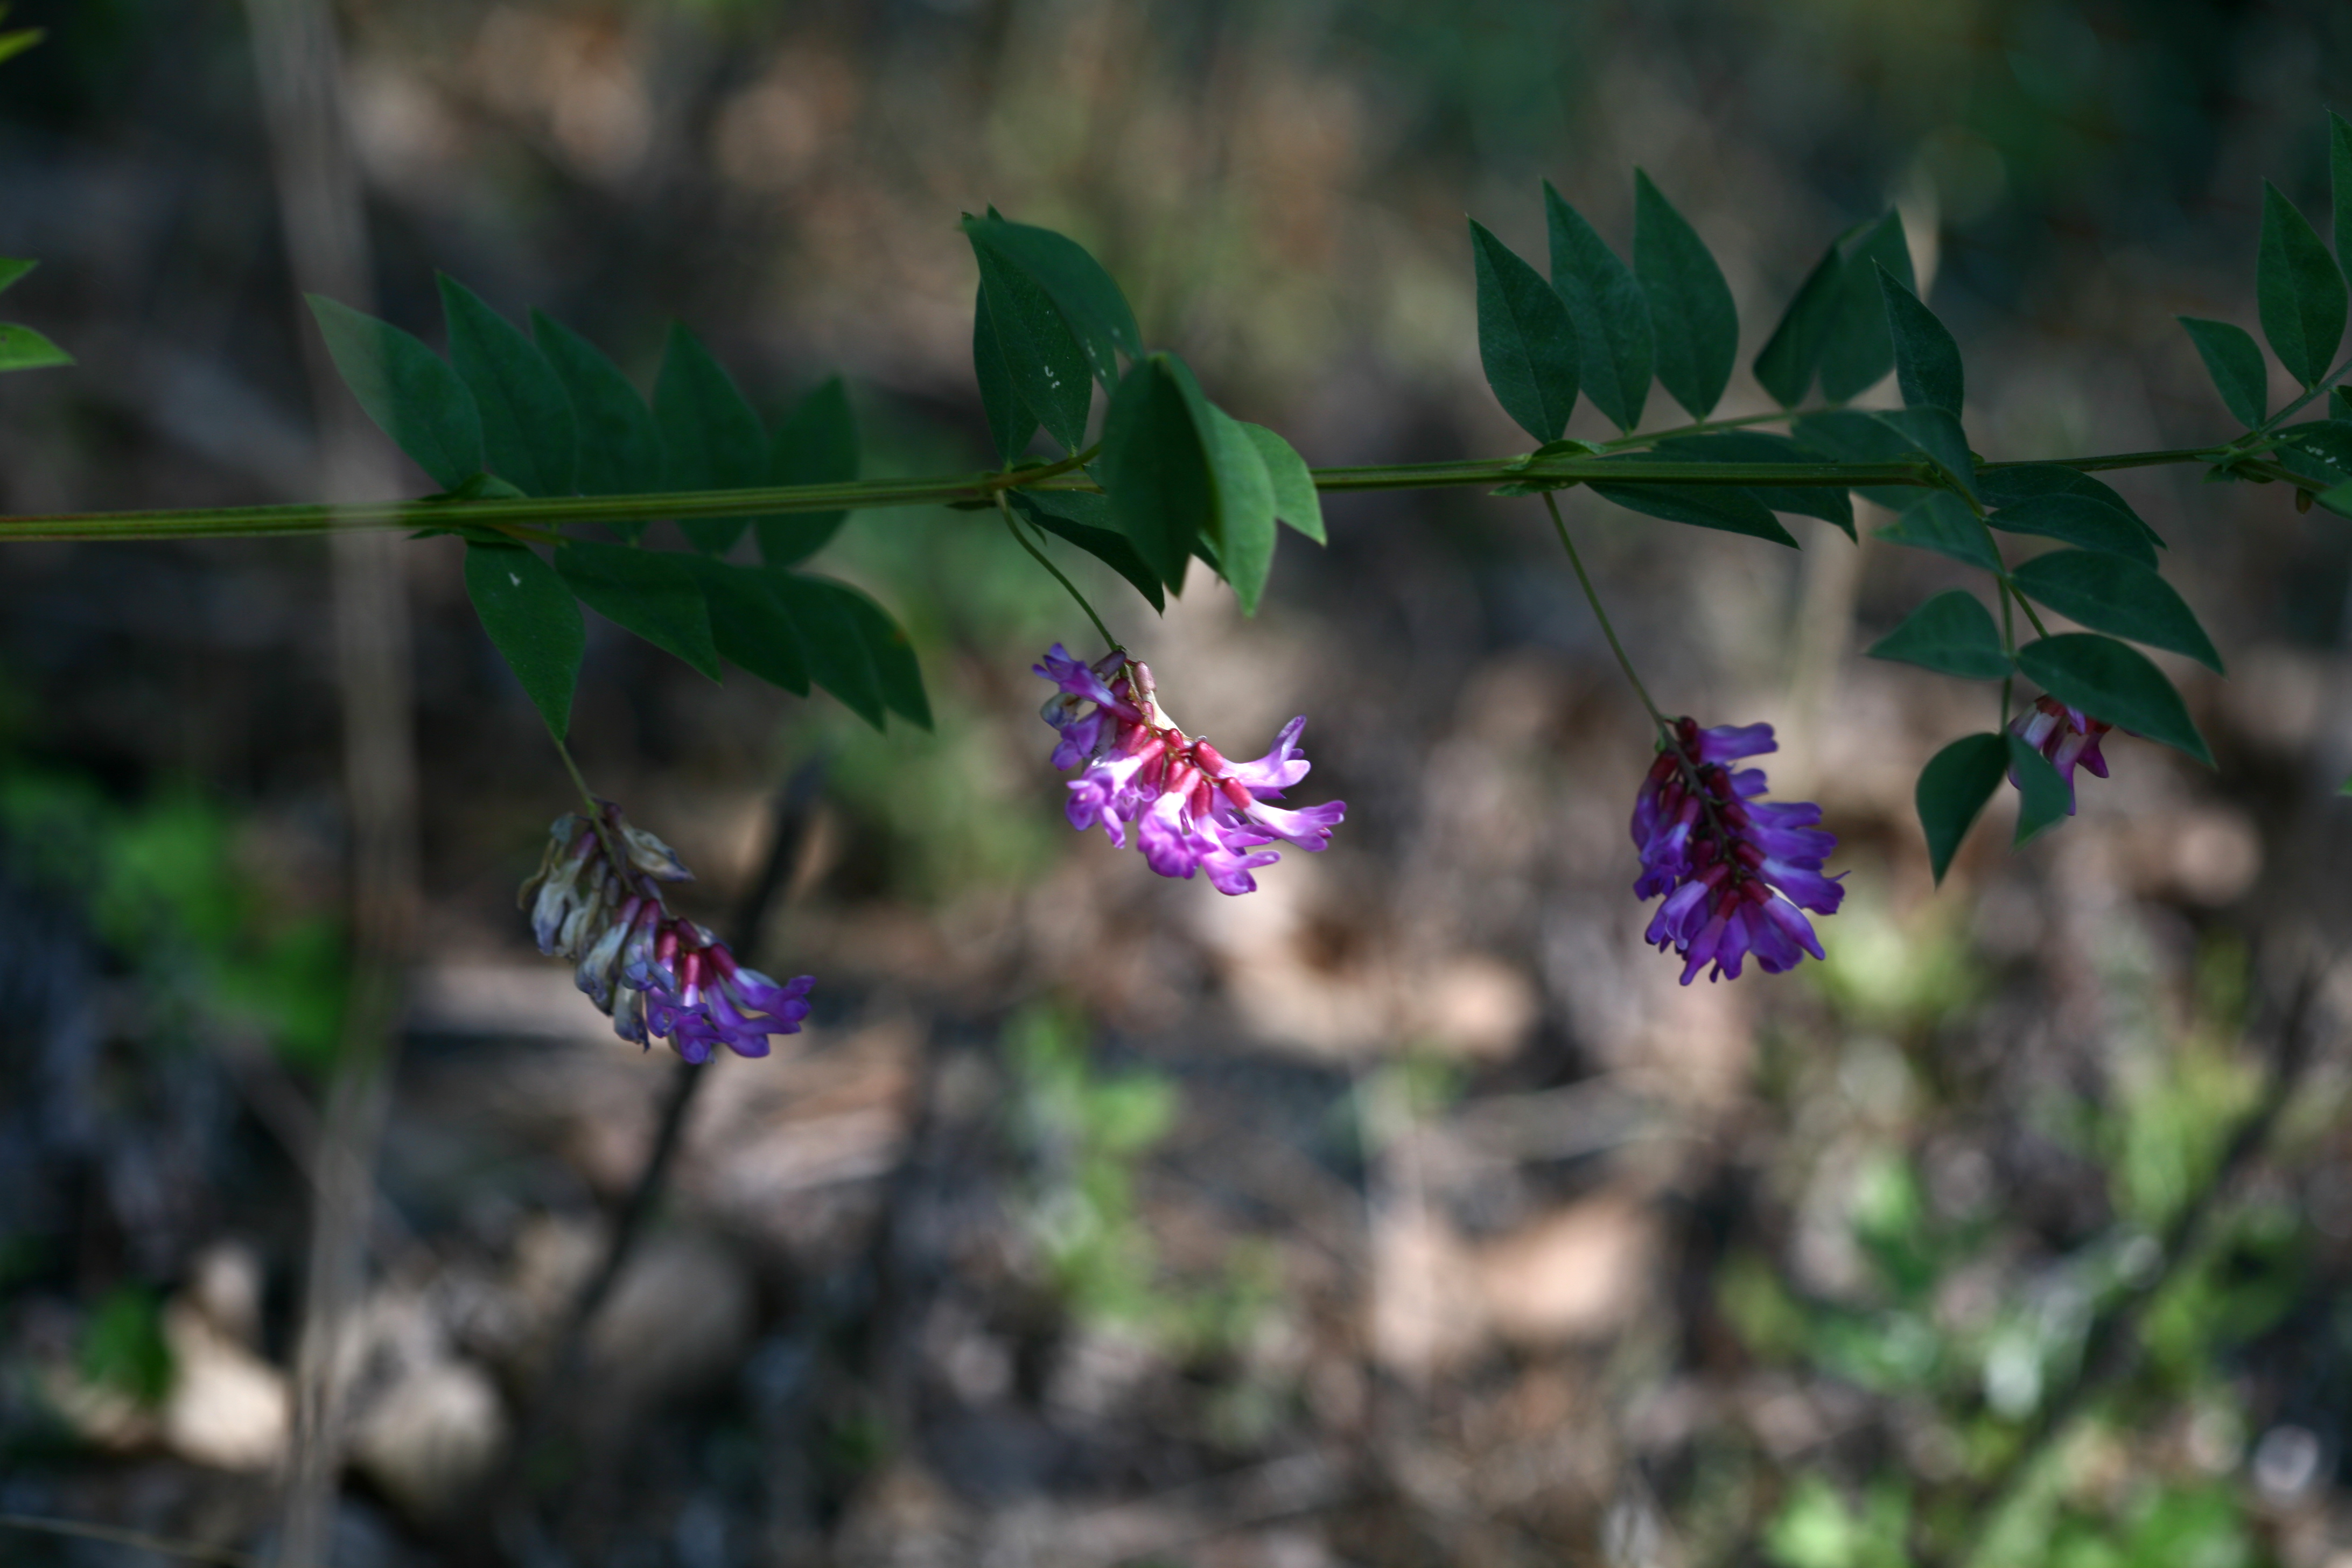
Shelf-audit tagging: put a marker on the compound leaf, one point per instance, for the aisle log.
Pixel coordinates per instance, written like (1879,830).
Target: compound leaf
(528,434)
(620,445)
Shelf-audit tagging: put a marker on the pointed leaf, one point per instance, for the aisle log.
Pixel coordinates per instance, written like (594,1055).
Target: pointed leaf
(1855,437)
(1939,436)
(748,622)
(11,269)
(1724,506)
(654,596)
(1155,467)
(528,435)
(1953,788)
(2329,440)
(2299,290)
(1244,528)
(1952,634)
(833,638)
(2078,519)
(22,348)
(2236,365)
(620,445)
(1927,360)
(713,439)
(1825,501)
(1943,523)
(898,678)
(2339,182)
(1042,356)
(1785,365)
(2110,593)
(1084,295)
(2043,797)
(1615,351)
(2006,484)
(1084,520)
(2339,404)
(1692,319)
(533,623)
(2115,682)
(1857,351)
(817,445)
(407,389)
(1295,501)
(1010,423)
(1527,342)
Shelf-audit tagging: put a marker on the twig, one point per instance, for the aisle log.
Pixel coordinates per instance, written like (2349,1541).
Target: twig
(193,1551)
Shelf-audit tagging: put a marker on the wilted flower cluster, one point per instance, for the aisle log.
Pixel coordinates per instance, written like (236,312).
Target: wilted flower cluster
(1191,808)
(660,975)
(2064,736)
(1737,871)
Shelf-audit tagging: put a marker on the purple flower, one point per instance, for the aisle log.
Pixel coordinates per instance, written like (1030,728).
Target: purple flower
(1191,810)
(2064,736)
(1737,871)
(659,975)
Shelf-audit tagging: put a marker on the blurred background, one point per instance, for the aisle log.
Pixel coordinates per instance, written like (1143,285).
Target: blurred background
(1403,1212)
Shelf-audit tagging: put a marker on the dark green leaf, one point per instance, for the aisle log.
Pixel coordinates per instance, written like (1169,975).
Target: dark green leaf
(1244,529)
(532,622)
(22,348)
(1009,421)
(1041,354)
(2339,404)
(528,435)
(1614,345)
(2112,681)
(1857,351)
(2078,519)
(2043,797)
(748,622)
(2299,290)
(816,445)
(1942,523)
(2110,593)
(833,638)
(1527,342)
(407,389)
(1785,365)
(1938,435)
(1855,437)
(1927,360)
(1725,507)
(898,675)
(2236,365)
(1295,501)
(1155,467)
(1084,520)
(2339,182)
(1825,501)
(1953,788)
(654,596)
(1087,296)
(2009,483)
(713,439)
(1693,320)
(2329,440)
(1952,634)
(620,445)
(11,269)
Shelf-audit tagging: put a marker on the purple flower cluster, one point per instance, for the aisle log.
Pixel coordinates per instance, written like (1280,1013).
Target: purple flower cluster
(1739,871)
(1191,810)
(660,975)
(2064,736)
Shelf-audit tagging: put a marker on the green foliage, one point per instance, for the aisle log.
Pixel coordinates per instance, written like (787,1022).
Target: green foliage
(1927,360)
(1952,634)
(1009,421)
(620,445)
(2298,289)
(749,624)
(1937,435)
(1857,348)
(2112,681)
(1692,319)
(1817,1527)
(1526,339)
(1074,283)
(533,621)
(712,439)
(1953,788)
(22,348)
(2043,799)
(1831,505)
(650,593)
(529,436)
(407,389)
(2114,594)
(2080,519)
(1297,505)
(816,445)
(1785,365)
(2012,484)
(1611,319)
(1084,520)
(123,1347)
(1034,368)
(1181,473)
(2235,363)
(1940,521)
(1727,508)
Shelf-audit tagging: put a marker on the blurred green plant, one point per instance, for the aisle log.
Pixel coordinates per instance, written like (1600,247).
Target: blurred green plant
(122,1346)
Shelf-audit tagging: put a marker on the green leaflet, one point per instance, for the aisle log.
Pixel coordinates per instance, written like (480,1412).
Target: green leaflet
(1044,362)
(2236,365)
(2112,593)
(650,593)
(2298,290)
(12,269)
(1927,360)
(1614,344)
(2006,484)
(407,389)
(1726,508)
(529,436)
(1938,435)
(1296,499)
(1010,423)
(2042,797)
(898,677)
(620,446)
(2339,181)
(2115,682)
(22,348)
(1942,523)
(1086,298)
(1527,341)
(1857,350)
(1243,528)
(748,622)
(1084,520)
(1785,365)
(1953,788)
(816,445)
(832,637)
(1852,436)
(533,623)
(713,440)
(1825,501)
(1693,322)
(1952,634)
(2079,519)
(1155,467)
